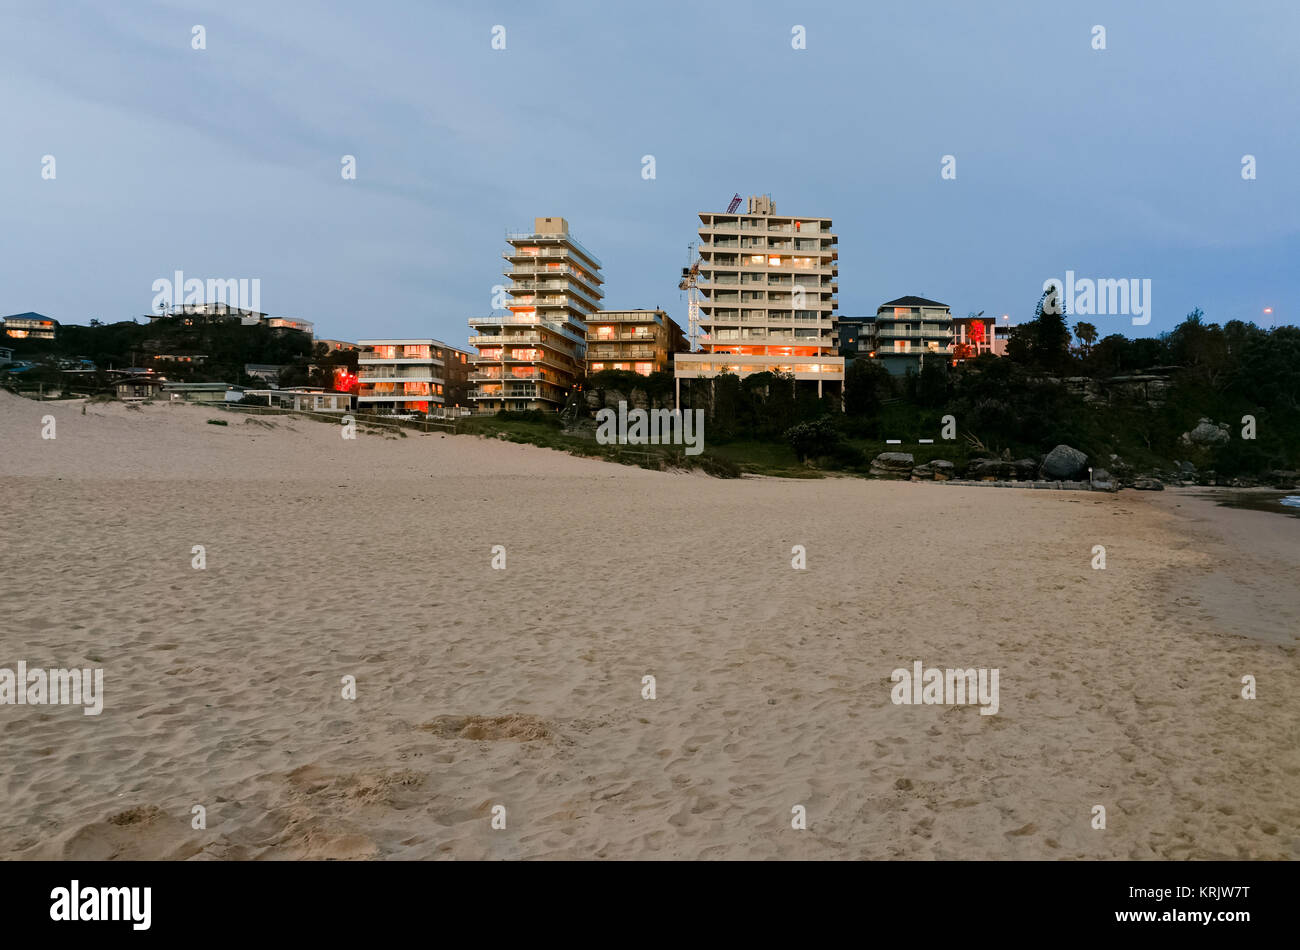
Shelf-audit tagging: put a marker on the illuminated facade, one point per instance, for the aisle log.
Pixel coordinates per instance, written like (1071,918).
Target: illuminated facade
(768,285)
(30,326)
(532,358)
(402,376)
(639,341)
(976,336)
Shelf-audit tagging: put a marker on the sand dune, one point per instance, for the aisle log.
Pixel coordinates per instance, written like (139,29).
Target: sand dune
(370,558)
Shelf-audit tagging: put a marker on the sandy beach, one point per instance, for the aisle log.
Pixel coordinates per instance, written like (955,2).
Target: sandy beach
(522,687)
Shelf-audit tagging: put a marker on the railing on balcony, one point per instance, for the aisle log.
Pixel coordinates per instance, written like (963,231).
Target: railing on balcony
(544,239)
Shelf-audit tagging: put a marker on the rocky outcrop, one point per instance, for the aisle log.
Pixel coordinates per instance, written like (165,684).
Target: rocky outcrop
(1148,484)
(1280,478)
(938,470)
(1064,462)
(1206,434)
(892,465)
(994,470)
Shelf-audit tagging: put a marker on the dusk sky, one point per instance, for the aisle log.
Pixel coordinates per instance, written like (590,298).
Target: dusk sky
(225,162)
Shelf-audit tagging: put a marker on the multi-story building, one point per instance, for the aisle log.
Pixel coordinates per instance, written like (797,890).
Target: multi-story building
(29,326)
(910,330)
(975,336)
(768,285)
(401,376)
(455,366)
(291,323)
(532,358)
(639,341)
(855,336)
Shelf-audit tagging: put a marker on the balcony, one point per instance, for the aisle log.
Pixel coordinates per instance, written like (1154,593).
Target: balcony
(554,270)
(515,320)
(552,239)
(631,353)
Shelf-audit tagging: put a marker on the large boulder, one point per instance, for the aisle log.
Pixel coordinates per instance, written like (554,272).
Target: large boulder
(1148,484)
(1064,463)
(1206,434)
(1102,480)
(937,470)
(892,465)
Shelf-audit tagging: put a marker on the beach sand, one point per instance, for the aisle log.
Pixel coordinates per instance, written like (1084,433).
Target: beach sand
(522,688)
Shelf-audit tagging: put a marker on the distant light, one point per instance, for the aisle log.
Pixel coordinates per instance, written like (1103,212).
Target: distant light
(1268,309)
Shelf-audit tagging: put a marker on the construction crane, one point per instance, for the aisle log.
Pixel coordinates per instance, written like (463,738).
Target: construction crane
(735,203)
(690,283)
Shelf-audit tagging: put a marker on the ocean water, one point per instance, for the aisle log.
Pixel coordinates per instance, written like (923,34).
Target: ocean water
(1281,503)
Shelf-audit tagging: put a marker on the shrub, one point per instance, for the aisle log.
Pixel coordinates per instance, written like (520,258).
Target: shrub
(813,439)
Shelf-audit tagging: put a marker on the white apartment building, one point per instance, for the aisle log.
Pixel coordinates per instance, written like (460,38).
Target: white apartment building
(768,285)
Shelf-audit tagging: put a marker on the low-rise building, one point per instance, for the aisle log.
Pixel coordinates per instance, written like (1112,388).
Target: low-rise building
(202,392)
(977,335)
(639,341)
(137,388)
(855,336)
(291,323)
(337,346)
(911,329)
(304,399)
(266,372)
(402,376)
(30,326)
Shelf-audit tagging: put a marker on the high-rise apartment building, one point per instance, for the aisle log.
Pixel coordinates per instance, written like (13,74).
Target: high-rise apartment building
(768,285)
(532,358)
(639,341)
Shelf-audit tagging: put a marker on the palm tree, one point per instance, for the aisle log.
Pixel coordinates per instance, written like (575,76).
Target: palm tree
(1086,334)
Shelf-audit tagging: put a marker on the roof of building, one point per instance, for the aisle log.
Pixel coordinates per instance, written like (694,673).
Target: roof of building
(911,301)
(29,315)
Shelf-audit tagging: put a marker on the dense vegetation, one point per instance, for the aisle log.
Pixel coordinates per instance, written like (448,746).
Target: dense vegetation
(1053,387)
(227,346)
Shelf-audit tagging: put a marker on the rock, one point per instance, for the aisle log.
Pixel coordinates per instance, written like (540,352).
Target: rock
(1280,478)
(1206,433)
(990,470)
(1064,463)
(1103,480)
(937,470)
(892,465)
(1187,467)
(1148,484)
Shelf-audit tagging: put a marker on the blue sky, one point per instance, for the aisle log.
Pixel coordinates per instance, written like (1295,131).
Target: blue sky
(225,162)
